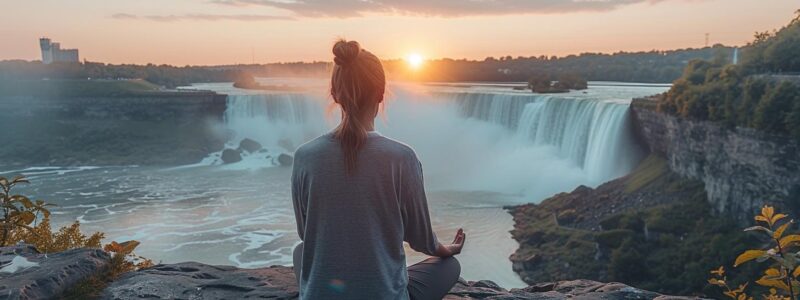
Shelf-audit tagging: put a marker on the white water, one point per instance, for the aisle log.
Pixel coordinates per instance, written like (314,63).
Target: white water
(484,140)
(482,147)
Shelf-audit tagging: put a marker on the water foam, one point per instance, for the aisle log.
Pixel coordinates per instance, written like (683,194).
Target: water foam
(474,141)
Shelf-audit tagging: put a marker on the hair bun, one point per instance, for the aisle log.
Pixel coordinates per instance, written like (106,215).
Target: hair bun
(345,53)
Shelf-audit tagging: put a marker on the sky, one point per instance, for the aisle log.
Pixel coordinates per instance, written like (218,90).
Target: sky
(216,32)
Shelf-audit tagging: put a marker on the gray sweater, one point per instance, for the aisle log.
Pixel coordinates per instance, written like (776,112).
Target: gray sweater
(353,225)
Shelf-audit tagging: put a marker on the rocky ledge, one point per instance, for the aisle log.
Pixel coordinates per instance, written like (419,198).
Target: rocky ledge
(27,274)
(193,280)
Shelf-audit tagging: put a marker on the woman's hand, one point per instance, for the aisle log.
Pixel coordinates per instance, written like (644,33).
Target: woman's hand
(454,248)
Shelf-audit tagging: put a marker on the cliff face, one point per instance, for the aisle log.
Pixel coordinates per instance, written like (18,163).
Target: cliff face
(743,169)
(157,128)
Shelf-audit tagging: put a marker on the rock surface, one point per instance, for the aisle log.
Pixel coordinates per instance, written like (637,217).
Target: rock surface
(742,168)
(230,156)
(249,145)
(193,280)
(53,273)
(199,281)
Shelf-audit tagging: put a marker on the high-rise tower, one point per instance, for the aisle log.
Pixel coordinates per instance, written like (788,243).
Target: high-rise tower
(52,52)
(47,53)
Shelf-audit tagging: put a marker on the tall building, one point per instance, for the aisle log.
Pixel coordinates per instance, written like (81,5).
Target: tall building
(52,52)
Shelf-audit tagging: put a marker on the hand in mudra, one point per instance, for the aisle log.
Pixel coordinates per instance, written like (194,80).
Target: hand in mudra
(458,242)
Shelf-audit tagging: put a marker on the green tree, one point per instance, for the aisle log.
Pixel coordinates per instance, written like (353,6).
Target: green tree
(774,107)
(793,120)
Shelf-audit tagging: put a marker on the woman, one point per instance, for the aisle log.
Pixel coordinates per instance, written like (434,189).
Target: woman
(358,196)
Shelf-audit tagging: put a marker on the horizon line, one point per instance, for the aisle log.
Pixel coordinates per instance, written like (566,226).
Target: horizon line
(720,45)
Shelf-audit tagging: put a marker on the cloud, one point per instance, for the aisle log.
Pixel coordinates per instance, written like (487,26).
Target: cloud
(443,8)
(199,17)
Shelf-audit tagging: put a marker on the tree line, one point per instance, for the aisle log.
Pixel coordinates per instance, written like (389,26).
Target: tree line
(650,66)
(761,92)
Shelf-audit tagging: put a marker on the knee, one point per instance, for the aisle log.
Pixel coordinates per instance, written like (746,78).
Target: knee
(452,265)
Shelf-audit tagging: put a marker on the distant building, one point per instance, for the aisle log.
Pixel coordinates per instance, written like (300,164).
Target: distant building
(52,52)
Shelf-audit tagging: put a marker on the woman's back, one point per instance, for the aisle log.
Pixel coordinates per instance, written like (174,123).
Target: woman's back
(353,223)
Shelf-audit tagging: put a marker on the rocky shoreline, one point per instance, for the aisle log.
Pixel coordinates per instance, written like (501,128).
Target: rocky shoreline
(39,276)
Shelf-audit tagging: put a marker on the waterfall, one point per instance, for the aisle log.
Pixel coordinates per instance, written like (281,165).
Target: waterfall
(593,134)
(516,143)
(279,122)
(275,120)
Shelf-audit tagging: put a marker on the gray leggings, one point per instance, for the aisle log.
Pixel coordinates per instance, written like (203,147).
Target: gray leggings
(429,279)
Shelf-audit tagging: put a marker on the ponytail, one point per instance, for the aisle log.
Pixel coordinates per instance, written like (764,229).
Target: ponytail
(357,85)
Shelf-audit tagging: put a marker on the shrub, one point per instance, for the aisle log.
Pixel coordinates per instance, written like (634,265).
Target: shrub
(19,212)
(614,238)
(28,222)
(781,251)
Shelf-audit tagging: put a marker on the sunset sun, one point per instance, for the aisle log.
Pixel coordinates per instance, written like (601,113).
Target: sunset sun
(414,60)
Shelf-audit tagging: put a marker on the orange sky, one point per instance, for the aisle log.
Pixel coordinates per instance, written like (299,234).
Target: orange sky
(211,32)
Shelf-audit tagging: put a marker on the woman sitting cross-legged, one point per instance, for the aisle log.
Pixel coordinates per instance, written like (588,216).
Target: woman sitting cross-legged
(358,196)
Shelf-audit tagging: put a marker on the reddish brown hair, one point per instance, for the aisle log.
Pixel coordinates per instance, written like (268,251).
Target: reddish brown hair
(358,83)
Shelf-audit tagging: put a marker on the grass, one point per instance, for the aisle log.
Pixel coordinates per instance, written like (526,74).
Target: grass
(647,172)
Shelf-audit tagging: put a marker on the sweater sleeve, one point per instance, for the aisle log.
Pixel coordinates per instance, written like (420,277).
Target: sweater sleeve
(299,198)
(416,218)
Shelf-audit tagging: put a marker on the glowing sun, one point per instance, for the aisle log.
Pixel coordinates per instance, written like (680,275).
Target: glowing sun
(414,60)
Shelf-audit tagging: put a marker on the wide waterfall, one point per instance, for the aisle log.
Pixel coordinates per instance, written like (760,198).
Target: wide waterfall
(515,143)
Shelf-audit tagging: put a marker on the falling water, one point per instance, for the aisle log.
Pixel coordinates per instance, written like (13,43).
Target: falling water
(466,138)
(593,134)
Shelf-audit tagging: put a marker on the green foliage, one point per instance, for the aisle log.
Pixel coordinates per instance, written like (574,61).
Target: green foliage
(571,82)
(752,94)
(672,254)
(614,238)
(541,83)
(775,106)
(162,75)
(782,276)
(626,263)
(649,66)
